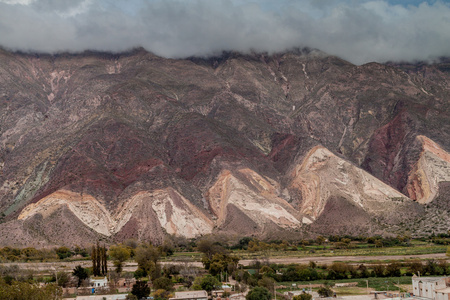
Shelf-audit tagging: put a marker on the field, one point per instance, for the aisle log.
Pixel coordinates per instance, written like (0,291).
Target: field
(417,248)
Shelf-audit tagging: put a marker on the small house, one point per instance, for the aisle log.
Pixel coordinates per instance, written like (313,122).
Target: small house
(99,282)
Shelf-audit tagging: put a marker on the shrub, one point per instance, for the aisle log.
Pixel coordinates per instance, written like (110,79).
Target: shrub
(325,291)
(140,289)
(258,293)
(303,296)
(163,283)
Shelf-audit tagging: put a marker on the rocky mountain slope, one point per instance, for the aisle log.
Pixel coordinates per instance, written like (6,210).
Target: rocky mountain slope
(132,145)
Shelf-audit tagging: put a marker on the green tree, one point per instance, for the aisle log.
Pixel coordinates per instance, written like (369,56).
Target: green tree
(207,283)
(303,296)
(140,289)
(379,270)
(119,254)
(29,253)
(80,251)
(162,295)
(147,257)
(163,283)
(209,247)
(393,270)
(63,252)
(267,282)
(167,247)
(431,267)
(378,243)
(80,273)
(416,267)
(363,272)
(29,291)
(104,261)
(139,273)
(258,293)
(99,263)
(320,240)
(337,271)
(63,279)
(266,269)
(220,262)
(95,262)
(325,291)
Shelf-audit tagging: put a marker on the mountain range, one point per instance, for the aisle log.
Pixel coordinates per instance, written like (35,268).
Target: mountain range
(281,146)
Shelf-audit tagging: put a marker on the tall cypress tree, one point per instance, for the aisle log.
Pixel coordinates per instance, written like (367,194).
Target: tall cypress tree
(104,261)
(94,260)
(99,260)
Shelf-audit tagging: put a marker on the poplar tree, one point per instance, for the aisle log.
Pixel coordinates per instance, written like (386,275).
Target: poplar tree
(98,257)
(99,260)
(94,261)
(104,261)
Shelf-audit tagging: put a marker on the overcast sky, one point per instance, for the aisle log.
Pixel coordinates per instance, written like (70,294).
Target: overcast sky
(359,31)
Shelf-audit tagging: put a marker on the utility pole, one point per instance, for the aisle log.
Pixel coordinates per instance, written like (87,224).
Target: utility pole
(367,288)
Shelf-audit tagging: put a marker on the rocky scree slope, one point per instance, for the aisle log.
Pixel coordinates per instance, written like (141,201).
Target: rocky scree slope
(132,145)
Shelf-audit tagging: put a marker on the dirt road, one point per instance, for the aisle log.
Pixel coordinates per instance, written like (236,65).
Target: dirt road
(132,266)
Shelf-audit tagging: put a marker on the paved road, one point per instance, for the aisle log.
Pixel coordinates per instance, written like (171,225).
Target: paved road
(132,266)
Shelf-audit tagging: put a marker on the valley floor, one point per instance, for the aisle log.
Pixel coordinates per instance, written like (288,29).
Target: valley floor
(132,266)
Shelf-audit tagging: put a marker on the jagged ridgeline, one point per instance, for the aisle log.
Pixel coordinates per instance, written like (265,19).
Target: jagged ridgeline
(110,147)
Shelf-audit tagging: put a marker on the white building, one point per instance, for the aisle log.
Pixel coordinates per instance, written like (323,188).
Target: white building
(437,288)
(99,282)
(443,294)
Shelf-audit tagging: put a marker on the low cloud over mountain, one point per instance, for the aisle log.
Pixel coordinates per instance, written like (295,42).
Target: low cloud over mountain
(359,31)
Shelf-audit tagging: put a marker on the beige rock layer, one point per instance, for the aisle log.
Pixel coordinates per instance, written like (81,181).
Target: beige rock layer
(322,174)
(175,213)
(319,176)
(432,167)
(256,196)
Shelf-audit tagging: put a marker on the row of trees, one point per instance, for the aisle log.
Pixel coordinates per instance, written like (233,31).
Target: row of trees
(12,254)
(33,254)
(28,291)
(173,243)
(262,293)
(336,271)
(99,260)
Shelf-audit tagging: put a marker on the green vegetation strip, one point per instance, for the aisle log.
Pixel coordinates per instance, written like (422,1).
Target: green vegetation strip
(414,250)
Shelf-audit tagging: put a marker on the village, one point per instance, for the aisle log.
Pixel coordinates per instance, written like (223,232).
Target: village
(248,269)
(423,288)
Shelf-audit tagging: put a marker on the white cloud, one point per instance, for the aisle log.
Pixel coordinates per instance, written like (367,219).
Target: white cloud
(359,31)
(15,2)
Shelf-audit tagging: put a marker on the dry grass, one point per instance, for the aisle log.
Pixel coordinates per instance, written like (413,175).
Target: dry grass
(350,291)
